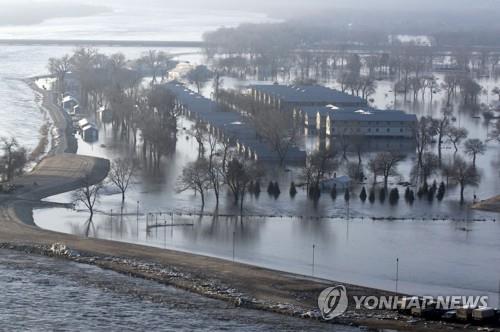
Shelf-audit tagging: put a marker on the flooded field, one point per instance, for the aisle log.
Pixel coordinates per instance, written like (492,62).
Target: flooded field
(436,257)
(49,294)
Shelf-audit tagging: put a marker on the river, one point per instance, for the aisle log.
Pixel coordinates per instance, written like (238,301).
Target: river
(42,294)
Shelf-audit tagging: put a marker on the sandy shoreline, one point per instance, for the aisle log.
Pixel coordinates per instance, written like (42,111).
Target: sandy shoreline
(241,284)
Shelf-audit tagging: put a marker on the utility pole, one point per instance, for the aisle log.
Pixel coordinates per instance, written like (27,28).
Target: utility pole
(111,222)
(314,247)
(234,243)
(138,220)
(397,273)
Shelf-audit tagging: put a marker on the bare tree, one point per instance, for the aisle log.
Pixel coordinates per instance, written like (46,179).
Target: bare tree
(430,165)
(318,165)
(495,133)
(442,127)
(59,67)
(450,86)
(386,163)
(14,158)
(464,174)
(473,147)
(199,76)
(424,131)
(121,172)
(470,90)
(88,195)
(195,177)
(218,81)
(496,91)
(456,136)
(277,129)
(238,177)
(217,159)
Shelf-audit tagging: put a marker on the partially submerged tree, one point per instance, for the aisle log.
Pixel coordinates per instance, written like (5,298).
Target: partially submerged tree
(121,173)
(385,164)
(88,195)
(473,147)
(442,126)
(277,129)
(59,67)
(456,136)
(430,165)
(195,177)
(318,166)
(199,76)
(238,177)
(14,158)
(464,174)
(424,131)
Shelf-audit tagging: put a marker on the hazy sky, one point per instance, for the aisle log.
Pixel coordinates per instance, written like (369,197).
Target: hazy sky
(26,12)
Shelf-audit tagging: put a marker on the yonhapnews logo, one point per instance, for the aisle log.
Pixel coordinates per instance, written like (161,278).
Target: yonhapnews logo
(333,302)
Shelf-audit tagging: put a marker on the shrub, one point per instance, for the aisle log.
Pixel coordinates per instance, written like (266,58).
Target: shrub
(347,195)
(363,195)
(394,196)
(371,196)
(333,192)
(293,190)
(382,195)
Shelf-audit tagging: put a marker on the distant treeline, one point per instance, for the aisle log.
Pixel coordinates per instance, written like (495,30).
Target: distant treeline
(476,28)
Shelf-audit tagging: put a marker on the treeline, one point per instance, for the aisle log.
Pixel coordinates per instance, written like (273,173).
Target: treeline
(287,50)
(141,109)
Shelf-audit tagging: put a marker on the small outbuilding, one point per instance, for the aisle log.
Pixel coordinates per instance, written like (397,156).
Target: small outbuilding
(90,133)
(68,103)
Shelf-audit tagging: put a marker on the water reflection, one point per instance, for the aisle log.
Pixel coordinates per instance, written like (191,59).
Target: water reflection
(435,256)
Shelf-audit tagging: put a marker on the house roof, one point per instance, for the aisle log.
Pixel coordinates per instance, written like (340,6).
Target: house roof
(359,114)
(309,94)
(233,124)
(69,98)
(89,126)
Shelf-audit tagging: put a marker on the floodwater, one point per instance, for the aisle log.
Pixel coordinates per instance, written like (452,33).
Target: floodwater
(41,294)
(440,246)
(451,256)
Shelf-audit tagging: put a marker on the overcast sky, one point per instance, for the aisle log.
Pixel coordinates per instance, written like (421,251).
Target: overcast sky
(34,11)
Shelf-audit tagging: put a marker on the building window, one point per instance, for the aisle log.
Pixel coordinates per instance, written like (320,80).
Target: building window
(388,130)
(376,130)
(369,130)
(401,130)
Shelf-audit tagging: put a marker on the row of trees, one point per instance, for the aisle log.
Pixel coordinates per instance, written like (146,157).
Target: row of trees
(115,83)
(272,51)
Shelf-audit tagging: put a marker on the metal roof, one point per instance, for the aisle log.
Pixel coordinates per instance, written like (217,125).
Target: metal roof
(309,94)
(360,114)
(233,124)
